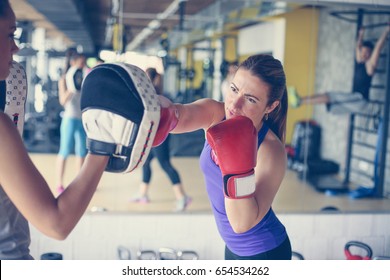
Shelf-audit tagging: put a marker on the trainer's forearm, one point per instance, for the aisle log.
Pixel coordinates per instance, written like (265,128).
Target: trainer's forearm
(73,202)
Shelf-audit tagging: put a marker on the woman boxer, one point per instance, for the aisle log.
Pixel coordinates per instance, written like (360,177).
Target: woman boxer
(24,194)
(243,159)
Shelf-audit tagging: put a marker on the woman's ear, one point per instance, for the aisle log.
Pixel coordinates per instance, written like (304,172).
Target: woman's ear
(272,107)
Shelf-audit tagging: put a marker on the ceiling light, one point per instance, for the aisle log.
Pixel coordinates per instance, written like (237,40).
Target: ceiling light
(154,24)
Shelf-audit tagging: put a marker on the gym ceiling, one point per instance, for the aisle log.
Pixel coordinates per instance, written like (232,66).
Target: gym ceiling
(142,24)
(93,23)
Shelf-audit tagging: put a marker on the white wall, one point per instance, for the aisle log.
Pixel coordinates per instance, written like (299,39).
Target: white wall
(317,236)
(265,37)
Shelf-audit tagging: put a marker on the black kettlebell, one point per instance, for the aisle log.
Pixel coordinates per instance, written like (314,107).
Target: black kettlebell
(51,256)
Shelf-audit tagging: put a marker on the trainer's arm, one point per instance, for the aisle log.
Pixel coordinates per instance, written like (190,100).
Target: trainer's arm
(28,190)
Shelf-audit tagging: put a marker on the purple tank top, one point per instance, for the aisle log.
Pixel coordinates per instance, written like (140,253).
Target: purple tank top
(268,234)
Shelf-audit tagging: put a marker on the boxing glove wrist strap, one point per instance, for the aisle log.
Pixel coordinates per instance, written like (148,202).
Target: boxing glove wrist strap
(239,186)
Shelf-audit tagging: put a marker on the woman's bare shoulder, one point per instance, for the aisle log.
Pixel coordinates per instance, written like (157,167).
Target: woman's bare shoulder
(273,146)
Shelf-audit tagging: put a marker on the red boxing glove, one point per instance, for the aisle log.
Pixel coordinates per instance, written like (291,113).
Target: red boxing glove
(234,142)
(169,117)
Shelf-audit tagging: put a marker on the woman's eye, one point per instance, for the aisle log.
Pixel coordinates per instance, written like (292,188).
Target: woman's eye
(233,89)
(251,100)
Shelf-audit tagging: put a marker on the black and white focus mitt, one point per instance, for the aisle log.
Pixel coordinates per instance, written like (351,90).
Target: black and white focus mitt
(120,114)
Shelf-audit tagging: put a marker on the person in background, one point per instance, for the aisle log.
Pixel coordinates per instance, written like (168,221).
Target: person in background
(367,56)
(72,133)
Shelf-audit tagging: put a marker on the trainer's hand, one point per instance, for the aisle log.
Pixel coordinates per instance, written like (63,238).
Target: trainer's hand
(234,142)
(169,117)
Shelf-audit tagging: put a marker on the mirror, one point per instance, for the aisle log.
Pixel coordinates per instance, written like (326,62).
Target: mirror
(329,158)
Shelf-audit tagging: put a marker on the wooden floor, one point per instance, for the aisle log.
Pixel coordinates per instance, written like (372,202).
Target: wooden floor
(116,190)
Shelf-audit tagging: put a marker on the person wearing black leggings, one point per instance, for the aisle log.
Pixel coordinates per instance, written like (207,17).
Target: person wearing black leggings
(162,154)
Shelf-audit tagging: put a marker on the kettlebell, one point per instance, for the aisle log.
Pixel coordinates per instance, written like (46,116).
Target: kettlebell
(51,256)
(123,253)
(358,244)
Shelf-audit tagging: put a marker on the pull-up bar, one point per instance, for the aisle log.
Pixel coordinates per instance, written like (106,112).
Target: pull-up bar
(344,15)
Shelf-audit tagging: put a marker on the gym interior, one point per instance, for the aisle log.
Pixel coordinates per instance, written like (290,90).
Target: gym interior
(337,186)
